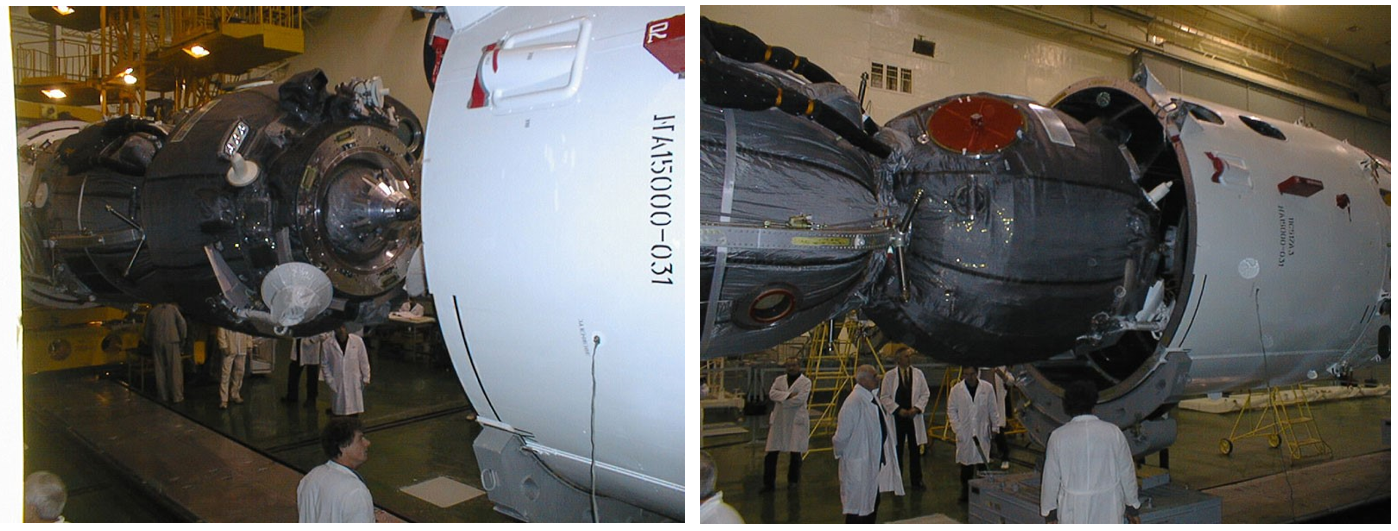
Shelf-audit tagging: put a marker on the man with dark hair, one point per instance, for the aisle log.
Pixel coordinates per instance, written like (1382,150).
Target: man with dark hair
(1089,477)
(971,412)
(790,425)
(334,492)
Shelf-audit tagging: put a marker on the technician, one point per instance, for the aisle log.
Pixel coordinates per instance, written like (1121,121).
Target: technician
(1089,477)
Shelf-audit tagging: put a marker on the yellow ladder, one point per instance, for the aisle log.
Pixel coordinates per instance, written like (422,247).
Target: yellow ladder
(1281,420)
(938,424)
(832,353)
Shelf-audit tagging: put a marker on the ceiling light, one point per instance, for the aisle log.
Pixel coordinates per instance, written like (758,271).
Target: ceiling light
(196,51)
(56,94)
(129,79)
(63,10)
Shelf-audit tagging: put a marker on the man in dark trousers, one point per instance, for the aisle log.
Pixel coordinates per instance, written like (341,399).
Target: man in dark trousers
(904,396)
(165,333)
(790,426)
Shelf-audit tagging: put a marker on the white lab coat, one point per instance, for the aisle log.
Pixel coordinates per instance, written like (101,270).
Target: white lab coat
(346,373)
(999,400)
(714,511)
(790,429)
(858,450)
(972,418)
(332,493)
(1088,473)
(889,390)
(310,350)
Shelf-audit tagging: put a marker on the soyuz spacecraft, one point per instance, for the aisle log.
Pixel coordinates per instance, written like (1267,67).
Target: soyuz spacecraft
(554,170)
(277,210)
(554,248)
(1154,243)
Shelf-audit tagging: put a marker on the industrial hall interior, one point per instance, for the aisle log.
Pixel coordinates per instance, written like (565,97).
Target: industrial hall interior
(347,264)
(1045,264)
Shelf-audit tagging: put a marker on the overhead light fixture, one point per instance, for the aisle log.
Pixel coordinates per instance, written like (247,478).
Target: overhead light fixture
(56,94)
(129,79)
(63,10)
(196,51)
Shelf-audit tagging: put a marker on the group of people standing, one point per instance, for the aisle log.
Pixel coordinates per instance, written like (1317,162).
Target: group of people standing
(1089,476)
(342,353)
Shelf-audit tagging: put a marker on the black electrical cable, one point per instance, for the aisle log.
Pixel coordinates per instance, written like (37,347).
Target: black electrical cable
(1267,374)
(592,431)
(740,44)
(727,86)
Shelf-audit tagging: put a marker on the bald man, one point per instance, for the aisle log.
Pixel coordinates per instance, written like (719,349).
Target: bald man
(864,438)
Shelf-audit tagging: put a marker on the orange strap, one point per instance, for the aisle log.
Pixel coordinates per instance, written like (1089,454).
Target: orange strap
(779,98)
(810,106)
(767,55)
(795,62)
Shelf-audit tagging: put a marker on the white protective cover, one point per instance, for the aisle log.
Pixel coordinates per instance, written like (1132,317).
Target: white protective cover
(1283,285)
(553,234)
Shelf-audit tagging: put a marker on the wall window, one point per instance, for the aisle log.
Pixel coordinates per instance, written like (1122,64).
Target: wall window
(889,77)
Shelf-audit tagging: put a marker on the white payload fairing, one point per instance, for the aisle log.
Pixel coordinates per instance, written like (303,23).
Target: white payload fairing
(1155,244)
(554,249)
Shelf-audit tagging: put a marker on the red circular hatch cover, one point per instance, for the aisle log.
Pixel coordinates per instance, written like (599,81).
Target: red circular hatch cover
(975,124)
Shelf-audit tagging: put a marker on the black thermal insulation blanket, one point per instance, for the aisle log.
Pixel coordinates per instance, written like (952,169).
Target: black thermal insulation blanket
(1013,251)
(779,166)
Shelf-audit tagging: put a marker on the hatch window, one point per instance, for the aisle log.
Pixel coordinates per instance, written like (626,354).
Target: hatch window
(1263,128)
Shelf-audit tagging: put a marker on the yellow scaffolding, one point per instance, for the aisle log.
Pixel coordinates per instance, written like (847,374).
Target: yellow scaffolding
(149,44)
(1282,419)
(832,353)
(942,430)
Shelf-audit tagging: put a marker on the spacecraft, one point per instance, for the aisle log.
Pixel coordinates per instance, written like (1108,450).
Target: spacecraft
(1154,243)
(276,210)
(554,247)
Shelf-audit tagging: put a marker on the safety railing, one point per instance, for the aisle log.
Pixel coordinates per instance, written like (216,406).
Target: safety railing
(33,62)
(190,22)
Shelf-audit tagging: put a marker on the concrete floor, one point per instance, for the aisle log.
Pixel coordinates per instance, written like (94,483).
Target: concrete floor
(1351,427)
(415,418)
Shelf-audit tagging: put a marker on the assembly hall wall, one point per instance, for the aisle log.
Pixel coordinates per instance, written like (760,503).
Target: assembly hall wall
(983,49)
(364,42)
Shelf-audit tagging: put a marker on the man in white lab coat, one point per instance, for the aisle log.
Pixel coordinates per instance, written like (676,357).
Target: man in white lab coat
(864,439)
(904,396)
(712,509)
(235,346)
(790,427)
(971,412)
(1000,379)
(306,353)
(346,372)
(334,492)
(1089,477)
